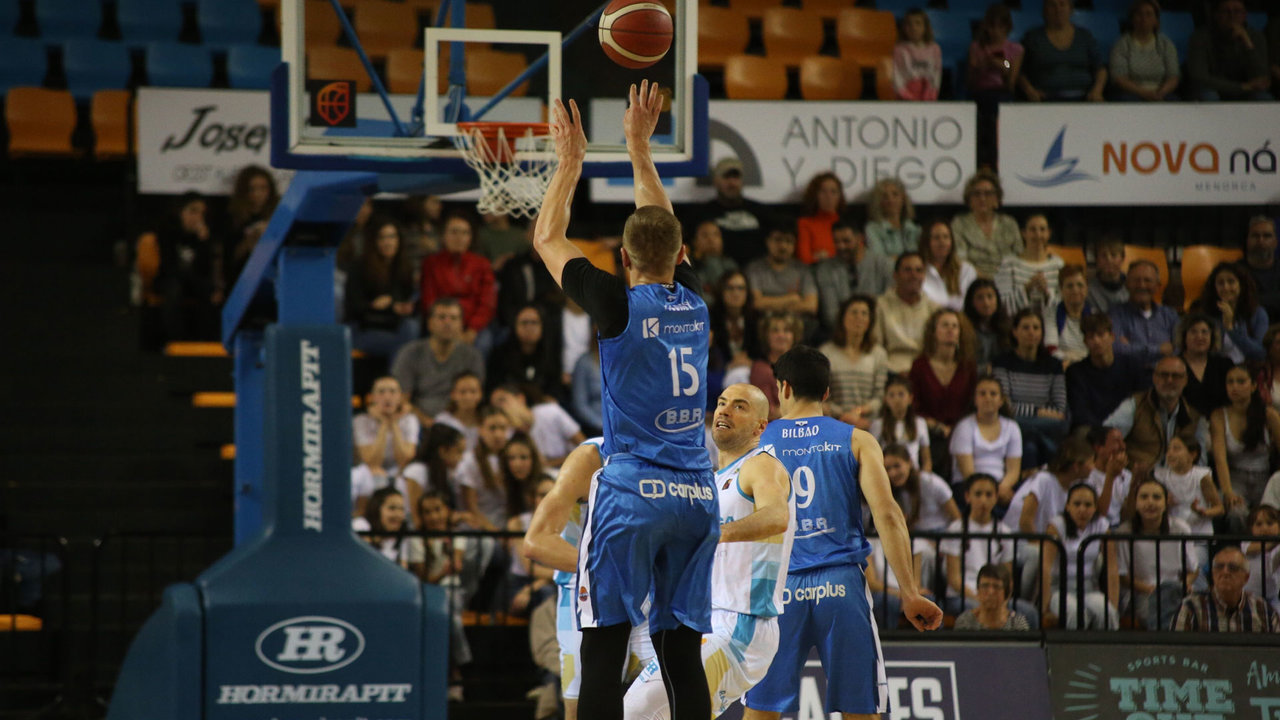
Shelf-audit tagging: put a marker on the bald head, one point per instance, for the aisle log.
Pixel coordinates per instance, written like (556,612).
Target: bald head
(741,415)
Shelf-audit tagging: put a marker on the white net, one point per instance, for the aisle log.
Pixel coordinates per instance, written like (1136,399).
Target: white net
(514,172)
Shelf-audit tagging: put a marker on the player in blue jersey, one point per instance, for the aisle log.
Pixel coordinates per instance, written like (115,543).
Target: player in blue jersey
(652,521)
(834,469)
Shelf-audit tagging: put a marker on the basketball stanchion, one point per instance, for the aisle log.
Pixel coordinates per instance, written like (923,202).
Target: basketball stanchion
(514,162)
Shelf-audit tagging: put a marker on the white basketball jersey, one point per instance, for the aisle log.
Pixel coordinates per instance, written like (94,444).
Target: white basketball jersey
(748,577)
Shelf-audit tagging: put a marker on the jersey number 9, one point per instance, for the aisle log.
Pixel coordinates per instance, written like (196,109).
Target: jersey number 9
(802,481)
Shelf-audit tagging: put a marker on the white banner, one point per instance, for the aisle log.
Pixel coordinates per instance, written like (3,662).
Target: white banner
(1140,154)
(782,145)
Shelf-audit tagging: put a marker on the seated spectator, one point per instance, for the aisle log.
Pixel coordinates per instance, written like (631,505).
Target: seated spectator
(426,368)
(823,204)
(554,431)
(434,468)
(364,483)
(1228,60)
(901,313)
(1102,380)
(1207,367)
(380,291)
(1107,287)
(917,59)
(528,582)
(577,333)
(989,321)
(926,503)
(943,377)
(1143,328)
(253,199)
(706,253)
(780,282)
(1044,495)
(982,547)
(859,366)
(946,277)
(1149,595)
(898,424)
(463,410)
(1144,62)
(984,236)
(779,332)
(1036,388)
(735,327)
(587,396)
(744,223)
(1150,417)
(1228,607)
(523,281)
(1245,432)
(1192,495)
(1030,278)
(987,442)
(386,434)
(1063,61)
(1267,379)
(1062,333)
(499,241)
(422,229)
(1111,478)
(351,247)
(995,585)
(527,356)
(384,519)
(1263,556)
(481,492)
(854,269)
(1231,300)
(1260,258)
(443,563)
(891,229)
(189,278)
(456,272)
(1079,519)
(883,584)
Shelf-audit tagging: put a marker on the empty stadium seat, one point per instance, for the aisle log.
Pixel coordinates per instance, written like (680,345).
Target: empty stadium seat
(383,26)
(249,67)
(229,22)
(488,71)
(827,8)
(109,112)
(40,121)
(721,33)
(1105,28)
(337,63)
(828,78)
(754,8)
(971,8)
(144,21)
(171,64)
(93,65)
(866,35)
(23,61)
(751,77)
(61,20)
(1178,26)
(1197,262)
(791,34)
(1025,20)
(404,70)
(1069,254)
(884,79)
(953,32)
(322,24)
(478,15)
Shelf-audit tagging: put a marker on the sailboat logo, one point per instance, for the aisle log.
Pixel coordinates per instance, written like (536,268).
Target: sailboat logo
(1058,170)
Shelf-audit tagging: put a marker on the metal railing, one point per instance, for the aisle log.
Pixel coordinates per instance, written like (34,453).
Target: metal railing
(34,609)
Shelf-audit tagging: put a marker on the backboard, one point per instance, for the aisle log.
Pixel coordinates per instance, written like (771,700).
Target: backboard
(419,66)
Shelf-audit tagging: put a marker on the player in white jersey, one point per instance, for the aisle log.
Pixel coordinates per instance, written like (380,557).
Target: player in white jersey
(758,520)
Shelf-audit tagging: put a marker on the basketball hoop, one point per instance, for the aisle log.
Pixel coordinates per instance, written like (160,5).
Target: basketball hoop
(514,163)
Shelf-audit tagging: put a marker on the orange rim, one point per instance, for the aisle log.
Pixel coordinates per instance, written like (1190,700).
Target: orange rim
(511,131)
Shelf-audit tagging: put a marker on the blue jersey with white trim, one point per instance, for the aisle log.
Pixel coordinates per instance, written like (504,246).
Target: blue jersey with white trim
(824,477)
(654,389)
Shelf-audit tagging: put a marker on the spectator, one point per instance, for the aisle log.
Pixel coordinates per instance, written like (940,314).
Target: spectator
(1044,495)
(854,269)
(577,333)
(1034,383)
(1263,556)
(1030,279)
(456,272)
(823,204)
(1142,328)
(1245,432)
(1260,257)
(386,434)
(995,61)
(883,584)
(1207,367)
(434,469)
(422,233)
(524,280)
(1111,478)
(943,377)
(1268,379)
(364,483)
(995,585)
(989,321)
(859,366)
(891,229)
(554,431)
(917,59)
(983,236)
(946,277)
(1063,61)
(380,291)
(708,258)
(443,562)
(1107,286)
(1231,299)
(586,399)
(982,547)
(426,368)
(1192,495)
(986,442)
(735,327)
(529,582)
(1228,60)
(779,332)
(898,423)
(901,313)
(780,282)
(1228,607)
(526,356)
(352,245)
(463,410)
(384,520)
(499,240)
(744,223)
(1062,333)
(253,199)
(1150,417)
(189,278)
(481,492)
(1144,62)
(1079,519)
(926,504)
(1151,587)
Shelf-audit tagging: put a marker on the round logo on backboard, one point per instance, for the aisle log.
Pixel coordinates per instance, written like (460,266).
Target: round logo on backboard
(310,644)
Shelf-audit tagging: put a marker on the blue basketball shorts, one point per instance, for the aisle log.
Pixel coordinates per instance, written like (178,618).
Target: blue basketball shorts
(829,608)
(649,528)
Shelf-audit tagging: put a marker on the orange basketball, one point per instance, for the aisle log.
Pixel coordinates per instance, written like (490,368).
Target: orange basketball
(635,33)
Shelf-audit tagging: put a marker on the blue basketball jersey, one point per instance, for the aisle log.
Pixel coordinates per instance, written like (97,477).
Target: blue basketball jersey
(654,391)
(824,477)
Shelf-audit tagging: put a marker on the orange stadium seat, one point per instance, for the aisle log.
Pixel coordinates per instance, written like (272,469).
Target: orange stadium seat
(828,78)
(751,77)
(1155,255)
(884,78)
(110,112)
(404,70)
(147,264)
(1069,255)
(337,63)
(866,35)
(753,8)
(383,26)
(827,8)
(322,27)
(40,121)
(1197,262)
(791,34)
(721,33)
(488,71)
(478,15)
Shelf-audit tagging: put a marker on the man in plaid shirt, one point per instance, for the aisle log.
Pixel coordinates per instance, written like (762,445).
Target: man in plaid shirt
(1227,607)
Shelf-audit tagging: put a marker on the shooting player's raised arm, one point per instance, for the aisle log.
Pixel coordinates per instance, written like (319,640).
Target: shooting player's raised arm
(549,236)
(644,106)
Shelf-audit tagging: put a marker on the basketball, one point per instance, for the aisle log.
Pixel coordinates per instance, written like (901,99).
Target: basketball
(635,33)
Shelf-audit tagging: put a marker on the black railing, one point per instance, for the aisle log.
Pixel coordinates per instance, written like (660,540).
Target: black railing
(34,610)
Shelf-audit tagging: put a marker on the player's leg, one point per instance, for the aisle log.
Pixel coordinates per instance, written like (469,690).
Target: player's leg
(604,659)
(679,657)
(570,639)
(849,643)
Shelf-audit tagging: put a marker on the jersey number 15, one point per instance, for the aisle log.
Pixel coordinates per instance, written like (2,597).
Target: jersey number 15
(678,366)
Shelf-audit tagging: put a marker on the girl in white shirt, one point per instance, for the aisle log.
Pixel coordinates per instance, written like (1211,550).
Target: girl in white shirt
(1263,557)
(1079,520)
(987,442)
(946,277)
(463,410)
(926,503)
(899,424)
(985,546)
(1154,575)
(384,518)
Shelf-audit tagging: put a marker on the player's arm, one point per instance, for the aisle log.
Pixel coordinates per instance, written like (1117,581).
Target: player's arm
(644,106)
(765,480)
(892,526)
(550,237)
(542,541)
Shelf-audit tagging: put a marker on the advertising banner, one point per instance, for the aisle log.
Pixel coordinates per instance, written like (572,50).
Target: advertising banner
(782,145)
(1149,682)
(1140,154)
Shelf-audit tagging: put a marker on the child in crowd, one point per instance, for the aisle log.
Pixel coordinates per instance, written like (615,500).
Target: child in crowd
(481,491)
(917,59)
(438,458)
(994,59)
(384,519)
(899,424)
(530,582)
(442,565)
(883,584)
(984,546)
(987,442)
(989,320)
(926,503)
(1107,286)
(1152,598)
(462,412)
(386,435)
(1193,498)
(1264,556)
(1078,520)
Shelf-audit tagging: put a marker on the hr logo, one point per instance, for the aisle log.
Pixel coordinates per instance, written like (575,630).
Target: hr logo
(310,644)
